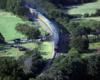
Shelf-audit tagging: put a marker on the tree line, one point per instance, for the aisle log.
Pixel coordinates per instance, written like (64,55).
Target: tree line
(29,32)
(84,28)
(14,6)
(97,13)
(73,68)
(68,2)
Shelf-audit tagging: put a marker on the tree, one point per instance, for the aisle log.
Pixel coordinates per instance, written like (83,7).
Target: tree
(2,40)
(73,25)
(79,31)
(12,4)
(65,68)
(33,61)
(21,27)
(3,4)
(93,67)
(97,13)
(80,44)
(74,52)
(21,10)
(32,33)
(10,70)
(86,15)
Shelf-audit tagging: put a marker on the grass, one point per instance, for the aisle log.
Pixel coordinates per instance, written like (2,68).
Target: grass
(46,49)
(84,19)
(7,25)
(85,8)
(14,52)
(8,22)
(92,49)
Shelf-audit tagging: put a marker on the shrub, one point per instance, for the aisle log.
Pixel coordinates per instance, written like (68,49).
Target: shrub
(86,15)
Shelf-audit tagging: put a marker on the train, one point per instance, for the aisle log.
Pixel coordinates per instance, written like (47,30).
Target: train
(54,34)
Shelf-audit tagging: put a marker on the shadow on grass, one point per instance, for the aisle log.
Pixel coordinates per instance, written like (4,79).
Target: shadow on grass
(6,57)
(63,29)
(44,53)
(92,51)
(75,19)
(4,47)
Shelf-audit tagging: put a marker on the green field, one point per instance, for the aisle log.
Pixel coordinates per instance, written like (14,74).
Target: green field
(8,22)
(92,49)
(84,8)
(7,25)
(45,48)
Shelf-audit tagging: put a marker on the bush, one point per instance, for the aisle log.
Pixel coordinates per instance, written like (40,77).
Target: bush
(92,15)
(74,52)
(86,15)
(92,40)
(75,16)
(2,40)
(47,34)
(79,44)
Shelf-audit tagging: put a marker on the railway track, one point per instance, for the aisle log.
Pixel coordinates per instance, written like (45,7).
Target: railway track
(54,35)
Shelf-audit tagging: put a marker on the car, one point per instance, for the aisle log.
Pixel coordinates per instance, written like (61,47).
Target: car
(17,46)
(24,39)
(11,45)
(22,48)
(16,40)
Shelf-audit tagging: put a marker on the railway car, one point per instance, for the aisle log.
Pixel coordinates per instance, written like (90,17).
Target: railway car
(47,22)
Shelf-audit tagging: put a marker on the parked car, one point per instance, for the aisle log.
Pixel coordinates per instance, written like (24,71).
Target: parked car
(22,48)
(16,40)
(17,46)
(24,39)
(11,45)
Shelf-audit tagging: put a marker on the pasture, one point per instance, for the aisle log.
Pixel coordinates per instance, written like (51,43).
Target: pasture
(7,25)
(84,8)
(92,49)
(8,22)
(45,48)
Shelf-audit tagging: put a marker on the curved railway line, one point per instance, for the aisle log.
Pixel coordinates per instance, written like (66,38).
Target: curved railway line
(54,35)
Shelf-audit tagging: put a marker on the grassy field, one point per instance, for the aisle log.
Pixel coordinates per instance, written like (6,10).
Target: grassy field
(84,8)
(92,49)
(7,25)
(8,22)
(84,19)
(45,48)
